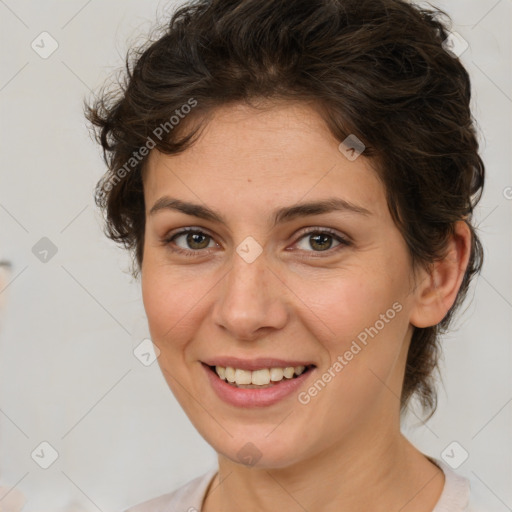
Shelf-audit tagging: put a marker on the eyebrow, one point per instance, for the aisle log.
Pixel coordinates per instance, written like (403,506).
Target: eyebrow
(284,214)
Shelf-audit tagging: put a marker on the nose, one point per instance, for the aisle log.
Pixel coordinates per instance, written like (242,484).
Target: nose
(251,300)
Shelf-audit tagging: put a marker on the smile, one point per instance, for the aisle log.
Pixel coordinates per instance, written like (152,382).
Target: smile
(261,386)
(264,377)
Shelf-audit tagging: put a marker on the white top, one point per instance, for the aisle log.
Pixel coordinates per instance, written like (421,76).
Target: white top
(459,495)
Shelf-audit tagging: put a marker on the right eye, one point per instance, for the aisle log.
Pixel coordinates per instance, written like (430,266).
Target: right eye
(193,238)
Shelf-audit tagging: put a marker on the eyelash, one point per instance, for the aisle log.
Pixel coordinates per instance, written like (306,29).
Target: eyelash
(200,252)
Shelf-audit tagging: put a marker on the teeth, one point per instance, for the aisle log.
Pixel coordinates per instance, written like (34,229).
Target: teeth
(230,373)
(221,372)
(289,371)
(276,374)
(243,376)
(262,377)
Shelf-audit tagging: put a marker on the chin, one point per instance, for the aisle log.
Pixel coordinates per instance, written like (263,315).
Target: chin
(256,448)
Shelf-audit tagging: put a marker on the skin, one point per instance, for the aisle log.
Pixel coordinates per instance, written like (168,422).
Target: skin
(344,449)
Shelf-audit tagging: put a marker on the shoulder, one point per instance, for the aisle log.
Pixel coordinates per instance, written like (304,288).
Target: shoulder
(461,494)
(187,498)
(482,499)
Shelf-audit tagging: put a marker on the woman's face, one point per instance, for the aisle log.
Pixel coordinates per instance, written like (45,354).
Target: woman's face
(267,286)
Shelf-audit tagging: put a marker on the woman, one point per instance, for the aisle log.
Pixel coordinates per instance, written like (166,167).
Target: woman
(296,180)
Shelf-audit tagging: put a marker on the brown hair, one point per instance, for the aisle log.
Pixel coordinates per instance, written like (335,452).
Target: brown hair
(377,69)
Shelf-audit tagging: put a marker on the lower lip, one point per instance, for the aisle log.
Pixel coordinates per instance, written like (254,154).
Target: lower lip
(253,397)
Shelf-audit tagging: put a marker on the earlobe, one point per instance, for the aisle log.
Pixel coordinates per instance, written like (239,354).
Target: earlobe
(439,285)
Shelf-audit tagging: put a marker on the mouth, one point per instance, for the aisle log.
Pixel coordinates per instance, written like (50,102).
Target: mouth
(259,383)
(261,378)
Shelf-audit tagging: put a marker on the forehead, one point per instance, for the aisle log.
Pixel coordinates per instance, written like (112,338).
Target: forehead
(256,157)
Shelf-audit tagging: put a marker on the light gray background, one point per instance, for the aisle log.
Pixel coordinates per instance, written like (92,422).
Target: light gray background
(68,375)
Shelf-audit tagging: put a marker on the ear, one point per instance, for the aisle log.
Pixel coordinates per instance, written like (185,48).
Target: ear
(438,286)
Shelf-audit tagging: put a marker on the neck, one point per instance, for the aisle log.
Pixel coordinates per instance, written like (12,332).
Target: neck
(378,470)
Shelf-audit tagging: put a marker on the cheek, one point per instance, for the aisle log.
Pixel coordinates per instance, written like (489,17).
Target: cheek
(340,307)
(169,300)
(370,319)
(171,303)
(360,319)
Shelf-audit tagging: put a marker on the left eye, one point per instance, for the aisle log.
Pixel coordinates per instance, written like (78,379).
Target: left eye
(321,240)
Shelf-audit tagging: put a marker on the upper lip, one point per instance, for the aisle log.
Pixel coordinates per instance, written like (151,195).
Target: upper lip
(255,364)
